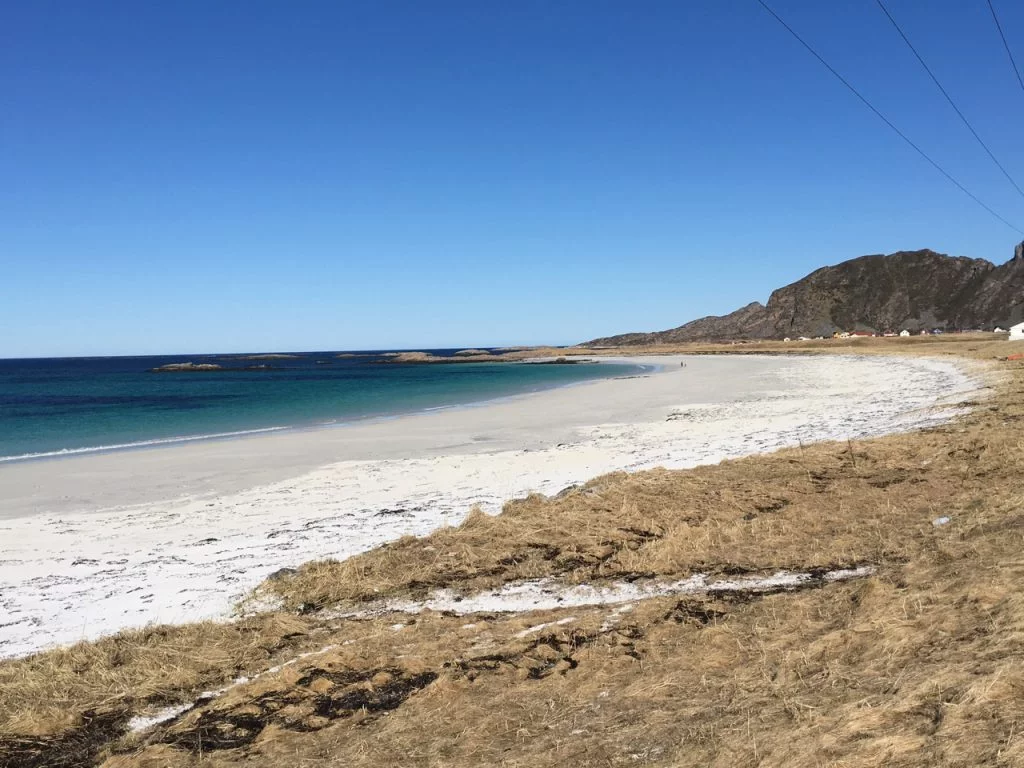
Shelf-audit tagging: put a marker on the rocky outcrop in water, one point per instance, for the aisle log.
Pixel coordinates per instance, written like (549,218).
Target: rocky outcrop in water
(268,356)
(407,358)
(186,367)
(191,367)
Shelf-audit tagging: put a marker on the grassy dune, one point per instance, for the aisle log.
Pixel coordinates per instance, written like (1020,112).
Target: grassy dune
(919,664)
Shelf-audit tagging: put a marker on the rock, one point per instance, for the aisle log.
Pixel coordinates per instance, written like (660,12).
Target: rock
(184,367)
(558,361)
(268,356)
(281,573)
(429,357)
(412,357)
(208,367)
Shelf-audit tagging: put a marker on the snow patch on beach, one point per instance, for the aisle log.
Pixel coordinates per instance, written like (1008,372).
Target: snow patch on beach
(75,576)
(547,594)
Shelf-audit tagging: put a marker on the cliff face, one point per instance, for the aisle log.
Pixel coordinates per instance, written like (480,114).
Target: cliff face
(908,289)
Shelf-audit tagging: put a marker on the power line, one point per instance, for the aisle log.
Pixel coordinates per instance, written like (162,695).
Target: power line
(884,119)
(1006,45)
(949,98)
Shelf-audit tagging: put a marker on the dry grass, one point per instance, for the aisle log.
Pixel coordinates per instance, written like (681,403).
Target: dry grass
(96,685)
(919,665)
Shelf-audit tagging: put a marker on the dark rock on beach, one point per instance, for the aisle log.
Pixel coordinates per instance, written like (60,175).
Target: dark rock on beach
(281,573)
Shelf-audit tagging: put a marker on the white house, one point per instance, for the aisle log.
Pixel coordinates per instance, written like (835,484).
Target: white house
(904,332)
(1017,332)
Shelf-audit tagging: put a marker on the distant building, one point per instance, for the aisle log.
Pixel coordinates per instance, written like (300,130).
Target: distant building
(904,332)
(999,330)
(1017,332)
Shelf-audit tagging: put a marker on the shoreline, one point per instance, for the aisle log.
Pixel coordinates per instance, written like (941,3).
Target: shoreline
(160,442)
(331,438)
(192,541)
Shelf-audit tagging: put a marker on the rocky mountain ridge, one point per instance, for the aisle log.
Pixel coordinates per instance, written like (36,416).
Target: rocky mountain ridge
(910,290)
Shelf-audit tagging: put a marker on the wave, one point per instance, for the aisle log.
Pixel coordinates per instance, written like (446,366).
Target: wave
(139,444)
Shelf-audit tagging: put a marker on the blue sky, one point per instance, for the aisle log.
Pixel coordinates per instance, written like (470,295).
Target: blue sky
(196,176)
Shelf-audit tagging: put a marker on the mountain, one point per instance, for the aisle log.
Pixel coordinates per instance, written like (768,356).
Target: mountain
(908,289)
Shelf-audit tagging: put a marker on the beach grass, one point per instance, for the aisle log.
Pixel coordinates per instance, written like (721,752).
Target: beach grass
(919,664)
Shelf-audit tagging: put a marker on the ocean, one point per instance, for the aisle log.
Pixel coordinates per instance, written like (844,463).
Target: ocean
(56,406)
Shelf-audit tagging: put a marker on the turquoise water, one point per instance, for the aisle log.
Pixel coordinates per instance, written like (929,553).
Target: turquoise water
(72,405)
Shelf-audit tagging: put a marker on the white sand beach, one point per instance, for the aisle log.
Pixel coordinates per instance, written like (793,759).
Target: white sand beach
(96,543)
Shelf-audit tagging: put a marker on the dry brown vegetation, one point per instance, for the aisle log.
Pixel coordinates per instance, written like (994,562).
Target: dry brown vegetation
(921,664)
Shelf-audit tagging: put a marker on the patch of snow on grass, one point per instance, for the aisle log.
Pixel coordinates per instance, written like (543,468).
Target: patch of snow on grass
(547,594)
(145,722)
(545,625)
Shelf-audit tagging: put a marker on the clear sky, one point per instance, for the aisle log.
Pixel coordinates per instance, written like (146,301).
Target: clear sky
(228,176)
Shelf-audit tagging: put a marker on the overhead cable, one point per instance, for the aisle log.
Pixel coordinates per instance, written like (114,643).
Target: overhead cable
(886,120)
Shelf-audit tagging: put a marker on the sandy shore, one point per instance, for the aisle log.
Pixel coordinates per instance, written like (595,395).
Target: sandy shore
(93,544)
